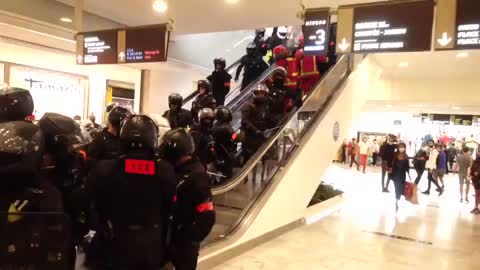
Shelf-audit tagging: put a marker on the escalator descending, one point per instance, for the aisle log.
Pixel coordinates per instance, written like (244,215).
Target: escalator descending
(237,197)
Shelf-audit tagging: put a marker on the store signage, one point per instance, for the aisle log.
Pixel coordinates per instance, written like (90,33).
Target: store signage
(131,45)
(99,48)
(315,31)
(393,27)
(468,24)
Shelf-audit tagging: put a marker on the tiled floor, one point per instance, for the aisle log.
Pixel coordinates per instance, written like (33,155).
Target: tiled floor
(367,233)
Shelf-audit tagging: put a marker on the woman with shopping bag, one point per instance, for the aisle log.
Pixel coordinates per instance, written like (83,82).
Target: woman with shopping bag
(400,171)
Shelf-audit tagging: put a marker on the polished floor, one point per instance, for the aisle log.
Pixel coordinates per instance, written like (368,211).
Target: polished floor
(367,233)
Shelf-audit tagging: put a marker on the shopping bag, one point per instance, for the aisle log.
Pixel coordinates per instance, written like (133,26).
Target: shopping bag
(410,192)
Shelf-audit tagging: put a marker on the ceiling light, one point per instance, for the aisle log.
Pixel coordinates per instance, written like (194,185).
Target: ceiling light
(462,55)
(66,20)
(403,65)
(231,1)
(160,6)
(456,108)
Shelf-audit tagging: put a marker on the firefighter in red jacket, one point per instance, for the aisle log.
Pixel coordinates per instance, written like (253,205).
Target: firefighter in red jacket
(309,73)
(291,64)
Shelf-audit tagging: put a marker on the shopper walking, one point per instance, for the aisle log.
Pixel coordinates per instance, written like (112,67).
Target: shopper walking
(452,157)
(432,169)
(364,149)
(399,171)
(344,152)
(353,154)
(441,164)
(464,162)
(475,174)
(387,152)
(375,151)
(419,162)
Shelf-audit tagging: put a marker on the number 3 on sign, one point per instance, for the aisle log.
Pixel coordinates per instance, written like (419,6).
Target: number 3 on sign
(320,37)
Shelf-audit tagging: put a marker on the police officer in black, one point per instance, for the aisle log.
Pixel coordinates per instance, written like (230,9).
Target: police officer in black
(194,216)
(203,100)
(260,43)
(134,197)
(278,95)
(106,145)
(256,119)
(225,142)
(176,116)
(220,81)
(254,66)
(202,136)
(15,104)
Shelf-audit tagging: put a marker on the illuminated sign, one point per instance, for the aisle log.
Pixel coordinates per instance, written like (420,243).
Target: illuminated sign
(146,44)
(315,31)
(393,27)
(100,47)
(468,24)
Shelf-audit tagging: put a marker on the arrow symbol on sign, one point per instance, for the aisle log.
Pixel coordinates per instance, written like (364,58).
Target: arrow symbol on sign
(445,40)
(121,55)
(79,59)
(344,45)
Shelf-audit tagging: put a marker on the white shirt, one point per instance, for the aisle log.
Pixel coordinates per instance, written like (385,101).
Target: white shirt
(432,160)
(363,148)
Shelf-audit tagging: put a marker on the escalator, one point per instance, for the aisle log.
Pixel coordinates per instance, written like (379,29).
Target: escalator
(235,199)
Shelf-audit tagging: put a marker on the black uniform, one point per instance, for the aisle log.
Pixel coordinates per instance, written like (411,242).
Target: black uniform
(134,197)
(220,80)
(104,146)
(277,103)
(194,217)
(254,67)
(256,119)
(15,104)
(225,148)
(259,41)
(182,118)
(202,102)
(203,139)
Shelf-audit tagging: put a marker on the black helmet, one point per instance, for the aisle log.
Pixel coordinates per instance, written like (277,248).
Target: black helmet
(175,99)
(22,147)
(15,104)
(117,115)
(175,144)
(260,32)
(223,114)
(61,133)
(110,107)
(206,113)
(221,61)
(260,89)
(203,84)
(280,71)
(251,48)
(139,132)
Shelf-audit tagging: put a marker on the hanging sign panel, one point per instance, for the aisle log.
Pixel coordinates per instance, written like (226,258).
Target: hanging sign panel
(315,31)
(98,48)
(147,44)
(393,27)
(468,24)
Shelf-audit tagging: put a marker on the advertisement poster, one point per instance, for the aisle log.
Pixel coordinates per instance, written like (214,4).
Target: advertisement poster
(51,91)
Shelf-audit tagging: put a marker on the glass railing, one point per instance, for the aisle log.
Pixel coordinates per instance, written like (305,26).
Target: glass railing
(235,199)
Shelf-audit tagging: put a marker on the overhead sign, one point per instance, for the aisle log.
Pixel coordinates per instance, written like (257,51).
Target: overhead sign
(393,27)
(315,31)
(468,24)
(131,45)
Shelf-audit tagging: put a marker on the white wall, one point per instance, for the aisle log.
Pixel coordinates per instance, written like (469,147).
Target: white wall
(168,78)
(42,57)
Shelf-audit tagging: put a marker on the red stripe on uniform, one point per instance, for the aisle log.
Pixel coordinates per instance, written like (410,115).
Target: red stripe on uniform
(205,207)
(136,166)
(227,84)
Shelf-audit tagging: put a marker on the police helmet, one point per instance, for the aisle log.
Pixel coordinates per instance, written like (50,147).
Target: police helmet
(61,133)
(251,48)
(261,89)
(223,114)
(220,61)
(15,104)
(206,113)
(110,107)
(203,84)
(22,147)
(282,32)
(139,132)
(117,115)
(175,99)
(280,71)
(260,32)
(175,144)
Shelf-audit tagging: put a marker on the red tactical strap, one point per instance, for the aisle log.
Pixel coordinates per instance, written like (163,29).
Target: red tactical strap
(137,166)
(83,153)
(234,136)
(175,198)
(227,84)
(205,207)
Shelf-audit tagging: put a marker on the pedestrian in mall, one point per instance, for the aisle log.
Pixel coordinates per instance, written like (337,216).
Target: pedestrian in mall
(375,151)
(387,152)
(343,159)
(464,162)
(419,162)
(441,163)
(353,154)
(475,175)
(364,148)
(452,156)
(432,169)
(400,171)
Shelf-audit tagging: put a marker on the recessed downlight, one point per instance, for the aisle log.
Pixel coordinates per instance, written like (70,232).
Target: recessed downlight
(462,55)
(231,2)
(403,65)
(66,20)
(160,6)
(455,108)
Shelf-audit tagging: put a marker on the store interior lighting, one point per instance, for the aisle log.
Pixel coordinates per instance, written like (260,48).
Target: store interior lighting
(160,6)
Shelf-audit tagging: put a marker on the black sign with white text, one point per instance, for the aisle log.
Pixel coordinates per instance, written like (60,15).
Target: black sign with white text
(146,44)
(468,24)
(100,47)
(393,27)
(315,31)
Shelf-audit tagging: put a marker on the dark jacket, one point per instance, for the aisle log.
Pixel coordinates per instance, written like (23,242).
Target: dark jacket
(182,119)
(388,153)
(202,102)
(254,67)
(420,160)
(220,81)
(203,144)
(104,146)
(452,153)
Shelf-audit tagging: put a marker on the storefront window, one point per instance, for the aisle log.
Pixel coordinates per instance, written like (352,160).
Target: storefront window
(52,91)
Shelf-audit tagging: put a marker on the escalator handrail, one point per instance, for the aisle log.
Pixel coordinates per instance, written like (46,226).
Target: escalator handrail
(257,157)
(195,93)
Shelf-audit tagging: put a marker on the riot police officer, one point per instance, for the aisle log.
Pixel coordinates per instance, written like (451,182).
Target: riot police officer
(254,66)
(15,104)
(256,119)
(134,196)
(259,41)
(194,216)
(177,116)
(203,100)
(225,142)
(220,81)
(106,145)
(278,95)
(202,136)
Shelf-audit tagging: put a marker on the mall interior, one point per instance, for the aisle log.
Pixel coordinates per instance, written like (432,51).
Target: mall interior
(303,90)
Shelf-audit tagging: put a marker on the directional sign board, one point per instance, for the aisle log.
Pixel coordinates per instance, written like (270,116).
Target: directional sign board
(386,27)
(468,24)
(146,44)
(315,31)
(98,48)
